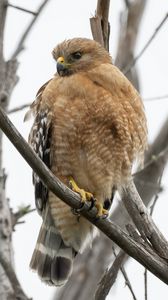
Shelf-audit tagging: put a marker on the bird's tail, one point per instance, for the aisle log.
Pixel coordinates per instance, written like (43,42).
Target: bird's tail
(52,259)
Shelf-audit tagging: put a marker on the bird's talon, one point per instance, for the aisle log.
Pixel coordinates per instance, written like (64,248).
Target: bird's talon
(85,196)
(101,212)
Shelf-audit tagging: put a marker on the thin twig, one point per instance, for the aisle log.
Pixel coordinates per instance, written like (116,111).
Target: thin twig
(127,281)
(22,211)
(18,108)
(146,284)
(156,98)
(151,261)
(20,45)
(163,155)
(19,294)
(22,9)
(134,60)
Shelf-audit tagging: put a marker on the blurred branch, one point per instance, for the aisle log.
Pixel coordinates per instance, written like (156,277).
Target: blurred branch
(109,277)
(151,261)
(99,24)
(20,45)
(22,211)
(22,9)
(130,20)
(18,292)
(134,60)
(159,157)
(18,108)
(156,98)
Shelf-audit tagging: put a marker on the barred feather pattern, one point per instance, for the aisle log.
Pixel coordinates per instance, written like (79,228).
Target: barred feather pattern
(52,259)
(90,125)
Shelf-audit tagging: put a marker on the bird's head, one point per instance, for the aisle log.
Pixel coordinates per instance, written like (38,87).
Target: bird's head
(79,54)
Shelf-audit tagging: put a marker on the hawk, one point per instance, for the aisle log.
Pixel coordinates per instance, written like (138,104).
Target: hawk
(89,127)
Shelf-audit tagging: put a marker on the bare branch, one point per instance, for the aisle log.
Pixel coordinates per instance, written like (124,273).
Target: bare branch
(127,281)
(162,156)
(130,19)
(151,212)
(146,284)
(19,294)
(156,98)
(143,221)
(109,277)
(152,262)
(99,24)
(22,211)
(134,60)
(18,108)
(20,45)
(22,9)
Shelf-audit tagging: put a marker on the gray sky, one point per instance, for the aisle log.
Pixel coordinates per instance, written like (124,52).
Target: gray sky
(60,20)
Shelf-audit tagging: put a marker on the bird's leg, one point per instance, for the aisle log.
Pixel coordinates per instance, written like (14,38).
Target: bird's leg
(86,196)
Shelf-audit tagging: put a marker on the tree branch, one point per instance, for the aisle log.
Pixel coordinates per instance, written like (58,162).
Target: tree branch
(22,211)
(134,60)
(152,262)
(143,221)
(20,45)
(18,108)
(18,292)
(129,26)
(22,9)
(109,277)
(99,24)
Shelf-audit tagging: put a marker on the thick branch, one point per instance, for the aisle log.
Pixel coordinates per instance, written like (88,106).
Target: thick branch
(143,221)
(100,26)
(18,292)
(152,262)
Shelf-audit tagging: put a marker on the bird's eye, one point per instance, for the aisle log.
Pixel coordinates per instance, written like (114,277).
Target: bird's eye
(76,55)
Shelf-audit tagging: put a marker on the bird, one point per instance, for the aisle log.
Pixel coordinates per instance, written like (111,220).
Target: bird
(89,128)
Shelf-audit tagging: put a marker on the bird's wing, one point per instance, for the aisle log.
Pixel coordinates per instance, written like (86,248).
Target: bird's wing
(39,139)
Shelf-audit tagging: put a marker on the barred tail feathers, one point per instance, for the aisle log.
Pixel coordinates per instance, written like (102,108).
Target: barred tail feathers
(52,259)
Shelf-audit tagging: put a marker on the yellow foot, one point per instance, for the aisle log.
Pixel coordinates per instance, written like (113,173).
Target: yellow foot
(85,196)
(101,212)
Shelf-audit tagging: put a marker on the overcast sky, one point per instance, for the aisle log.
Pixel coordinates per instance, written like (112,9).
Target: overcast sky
(60,20)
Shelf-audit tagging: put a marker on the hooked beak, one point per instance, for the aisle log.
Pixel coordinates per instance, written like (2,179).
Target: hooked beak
(62,67)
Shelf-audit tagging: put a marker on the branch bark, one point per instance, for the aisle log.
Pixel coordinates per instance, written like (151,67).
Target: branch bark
(109,277)
(143,220)
(9,271)
(99,24)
